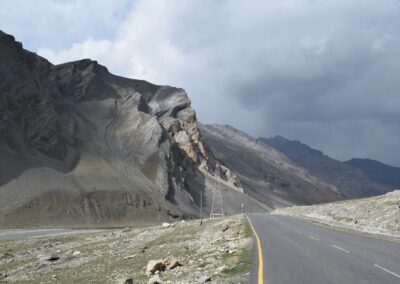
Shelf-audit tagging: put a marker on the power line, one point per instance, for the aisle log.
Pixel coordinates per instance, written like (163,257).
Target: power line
(217,205)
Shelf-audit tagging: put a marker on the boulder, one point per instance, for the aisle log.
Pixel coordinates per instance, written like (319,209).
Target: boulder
(129,257)
(48,257)
(216,240)
(76,253)
(3,275)
(204,279)
(171,262)
(166,225)
(126,230)
(6,255)
(154,265)
(225,227)
(125,281)
(155,280)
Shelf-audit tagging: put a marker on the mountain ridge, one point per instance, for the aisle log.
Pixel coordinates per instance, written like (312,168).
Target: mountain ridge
(377,171)
(265,173)
(350,180)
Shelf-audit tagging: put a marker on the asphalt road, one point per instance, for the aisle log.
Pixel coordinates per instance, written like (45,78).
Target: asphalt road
(25,234)
(295,251)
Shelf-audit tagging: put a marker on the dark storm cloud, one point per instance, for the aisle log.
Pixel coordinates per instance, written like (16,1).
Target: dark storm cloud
(339,91)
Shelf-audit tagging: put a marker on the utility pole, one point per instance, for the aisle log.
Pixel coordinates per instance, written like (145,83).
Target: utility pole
(248,202)
(245,204)
(217,205)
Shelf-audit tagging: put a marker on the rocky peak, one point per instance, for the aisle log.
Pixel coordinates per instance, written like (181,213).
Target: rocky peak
(7,41)
(12,55)
(84,80)
(292,148)
(230,133)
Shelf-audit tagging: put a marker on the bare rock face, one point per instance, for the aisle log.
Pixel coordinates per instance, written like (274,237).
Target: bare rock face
(31,105)
(81,146)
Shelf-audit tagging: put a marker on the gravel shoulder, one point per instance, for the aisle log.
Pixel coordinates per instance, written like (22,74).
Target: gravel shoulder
(219,250)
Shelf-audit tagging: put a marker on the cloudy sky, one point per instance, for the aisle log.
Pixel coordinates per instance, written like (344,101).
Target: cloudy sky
(326,72)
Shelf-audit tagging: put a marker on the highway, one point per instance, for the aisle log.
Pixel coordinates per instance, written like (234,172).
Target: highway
(26,234)
(294,251)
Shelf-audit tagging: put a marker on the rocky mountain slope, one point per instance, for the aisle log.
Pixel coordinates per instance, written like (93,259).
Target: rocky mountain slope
(265,173)
(350,181)
(82,147)
(378,215)
(377,171)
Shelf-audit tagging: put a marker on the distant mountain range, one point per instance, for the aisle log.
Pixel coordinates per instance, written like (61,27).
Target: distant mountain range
(349,179)
(266,174)
(377,171)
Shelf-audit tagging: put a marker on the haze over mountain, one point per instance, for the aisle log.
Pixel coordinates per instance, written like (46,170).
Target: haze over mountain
(80,146)
(350,181)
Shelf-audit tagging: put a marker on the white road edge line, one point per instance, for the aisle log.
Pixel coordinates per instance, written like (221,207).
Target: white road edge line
(387,270)
(314,238)
(339,248)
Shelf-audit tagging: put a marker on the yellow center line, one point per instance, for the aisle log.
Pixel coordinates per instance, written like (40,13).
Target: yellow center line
(260,258)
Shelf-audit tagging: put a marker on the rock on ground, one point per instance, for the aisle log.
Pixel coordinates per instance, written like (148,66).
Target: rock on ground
(204,279)
(48,257)
(155,265)
(155,280)
(171,262)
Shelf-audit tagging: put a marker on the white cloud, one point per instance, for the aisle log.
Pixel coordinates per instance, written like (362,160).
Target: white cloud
(56,24)
(89,49)
(142,47)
